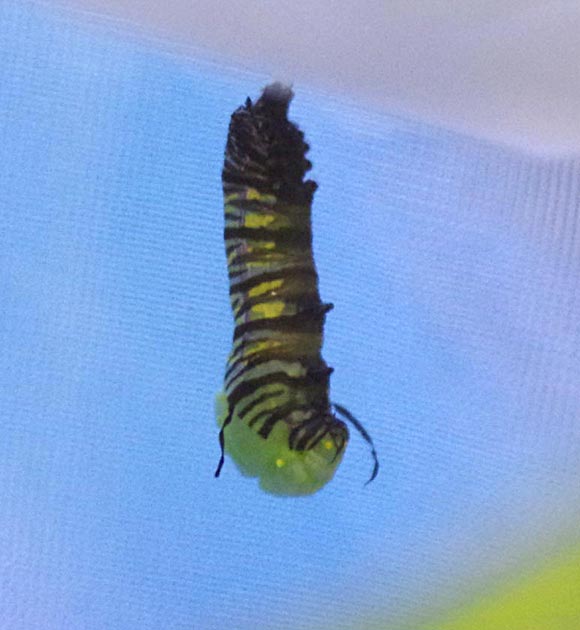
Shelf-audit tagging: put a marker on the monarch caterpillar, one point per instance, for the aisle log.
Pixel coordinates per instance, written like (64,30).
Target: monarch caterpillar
(275,417)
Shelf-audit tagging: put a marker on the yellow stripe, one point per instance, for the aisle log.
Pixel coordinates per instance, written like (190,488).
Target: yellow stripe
(255,220)
(258,346)
(264,287)
(254,195)
(250,194)
(250,249)
(294,369)
(269,310)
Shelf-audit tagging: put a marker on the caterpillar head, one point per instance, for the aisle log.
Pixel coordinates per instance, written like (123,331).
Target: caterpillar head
(294,459)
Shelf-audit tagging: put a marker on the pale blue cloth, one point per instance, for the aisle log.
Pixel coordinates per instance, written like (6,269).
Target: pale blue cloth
(453,266)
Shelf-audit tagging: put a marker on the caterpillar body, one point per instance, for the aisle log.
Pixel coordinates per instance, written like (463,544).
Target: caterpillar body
(275,416)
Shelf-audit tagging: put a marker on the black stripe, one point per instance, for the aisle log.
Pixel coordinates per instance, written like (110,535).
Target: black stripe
(245,155)
(255,358)
(279,413)
(245,410)
(310,434)
(306,322)
(280,265)
(250,385)
(281,274)
(252,156)
(257,362)
(315,440)
(316,368)
(277,416)
(259,180)
(230,188)
(244,271)
(250,365)
(298,238)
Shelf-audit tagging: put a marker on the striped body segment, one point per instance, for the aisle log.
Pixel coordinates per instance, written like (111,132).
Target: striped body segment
(275,415)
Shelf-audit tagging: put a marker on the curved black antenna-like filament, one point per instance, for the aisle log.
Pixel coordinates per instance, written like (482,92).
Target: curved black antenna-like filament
(222,445)
(345,413)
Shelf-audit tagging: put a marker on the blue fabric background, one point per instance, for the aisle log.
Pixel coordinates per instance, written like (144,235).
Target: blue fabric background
(453,266)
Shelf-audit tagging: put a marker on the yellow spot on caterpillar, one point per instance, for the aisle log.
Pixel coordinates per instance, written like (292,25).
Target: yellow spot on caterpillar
(269,245)
(295,369)
(269,309)
(264,287)
(252,195)
(328,445)
(262,345)
(255,195)
(280,462)
(256,264)
(255,220)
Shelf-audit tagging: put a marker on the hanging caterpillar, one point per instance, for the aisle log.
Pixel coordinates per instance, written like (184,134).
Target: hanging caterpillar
(275,416)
